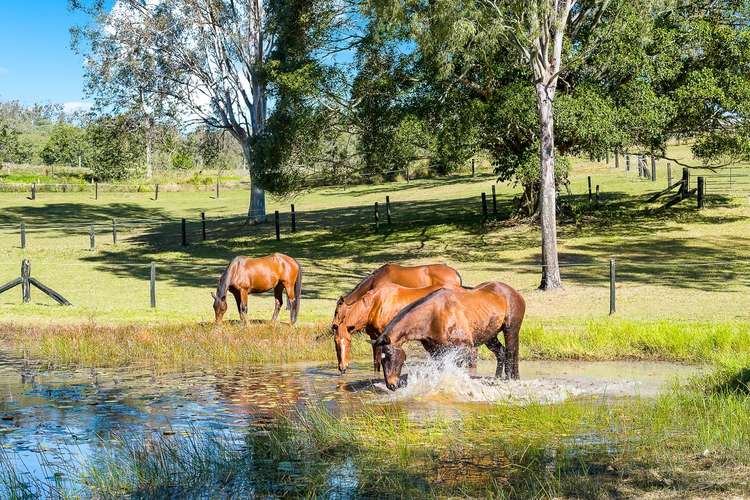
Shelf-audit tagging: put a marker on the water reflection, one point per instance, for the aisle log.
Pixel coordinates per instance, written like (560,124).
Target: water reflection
(56,415)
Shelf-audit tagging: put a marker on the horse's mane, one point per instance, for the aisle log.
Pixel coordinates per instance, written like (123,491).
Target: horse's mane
(362,287)
(221,290)
(406,310)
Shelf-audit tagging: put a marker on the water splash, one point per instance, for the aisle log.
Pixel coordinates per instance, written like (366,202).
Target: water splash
(444,379)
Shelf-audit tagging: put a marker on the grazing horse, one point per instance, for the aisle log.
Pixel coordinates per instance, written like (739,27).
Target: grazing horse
(458,317)
(372,313)
(244,275)
(411,277)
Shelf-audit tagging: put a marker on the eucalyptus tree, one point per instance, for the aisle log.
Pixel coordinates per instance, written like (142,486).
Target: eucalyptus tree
(205,57)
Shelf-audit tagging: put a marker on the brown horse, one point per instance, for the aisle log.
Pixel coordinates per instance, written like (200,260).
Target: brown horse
(277,272)
(411,277)
(371,313)
(458,317)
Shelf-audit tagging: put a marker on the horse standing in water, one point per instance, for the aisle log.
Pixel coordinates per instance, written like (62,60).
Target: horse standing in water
(458,317)
(244,275)
(372,313)
(429,275)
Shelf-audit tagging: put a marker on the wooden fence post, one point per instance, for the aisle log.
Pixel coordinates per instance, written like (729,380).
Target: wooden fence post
(217,187)
(627,162)
(276,224)
(494,201)
(653,169)
(294,220)
(589,180)
(156,195)
(407,174)
(23,235)
(25,281)
(612,283)
(669,174)
(114,232)
(685,182)
(473,168)
(701,190)
(92,237)
(377,217)
(152,283)
(484,206)
(606,157)
(203,225)
(33,190)
(617,159)
(184,232)
(388,209)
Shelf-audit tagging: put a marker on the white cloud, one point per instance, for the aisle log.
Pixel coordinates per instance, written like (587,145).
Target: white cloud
(73,106)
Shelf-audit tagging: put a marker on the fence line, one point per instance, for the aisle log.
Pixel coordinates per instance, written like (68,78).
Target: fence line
(613,272)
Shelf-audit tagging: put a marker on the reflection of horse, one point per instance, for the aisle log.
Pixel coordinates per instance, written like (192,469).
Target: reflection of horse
(411,277)
(371,313)
(457,317)
(277,272)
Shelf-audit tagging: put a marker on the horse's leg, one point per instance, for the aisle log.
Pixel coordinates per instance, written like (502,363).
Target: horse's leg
(279,300)
(242,305)
(498,350)
(237,299)
(511,332)
(290,298)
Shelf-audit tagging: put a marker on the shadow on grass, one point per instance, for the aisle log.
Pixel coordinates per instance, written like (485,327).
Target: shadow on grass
(336,247)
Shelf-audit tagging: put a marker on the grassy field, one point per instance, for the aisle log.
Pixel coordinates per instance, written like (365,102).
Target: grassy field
(677,264)
(682,295)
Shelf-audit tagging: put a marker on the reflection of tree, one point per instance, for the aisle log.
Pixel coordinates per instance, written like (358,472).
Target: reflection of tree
(259,393)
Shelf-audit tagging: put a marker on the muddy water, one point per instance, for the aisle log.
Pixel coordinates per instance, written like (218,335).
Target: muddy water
(49,415)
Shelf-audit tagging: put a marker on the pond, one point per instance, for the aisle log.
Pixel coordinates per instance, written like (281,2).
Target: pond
(58,415)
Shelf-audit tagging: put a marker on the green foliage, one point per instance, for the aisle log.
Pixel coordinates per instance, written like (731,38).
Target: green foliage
(12,147)
(182,160)
(66,144)
(116,150)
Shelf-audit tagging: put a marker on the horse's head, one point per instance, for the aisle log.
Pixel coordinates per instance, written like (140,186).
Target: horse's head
(347,319)
(220,306)
(392,359)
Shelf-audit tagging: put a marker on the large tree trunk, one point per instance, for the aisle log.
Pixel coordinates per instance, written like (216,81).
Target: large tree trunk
(256,211)
(551,269)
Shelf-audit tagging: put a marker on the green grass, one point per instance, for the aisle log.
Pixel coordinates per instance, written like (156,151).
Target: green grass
(178,345)
(680,268)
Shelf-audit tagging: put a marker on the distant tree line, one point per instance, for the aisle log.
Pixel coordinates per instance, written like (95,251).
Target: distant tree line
(111,146)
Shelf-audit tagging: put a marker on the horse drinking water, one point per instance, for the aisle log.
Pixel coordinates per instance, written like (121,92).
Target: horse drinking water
(371,314)
(349,309)
(245,275)
(461,318)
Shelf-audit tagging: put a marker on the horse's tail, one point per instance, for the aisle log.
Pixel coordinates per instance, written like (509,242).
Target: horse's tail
(297,293)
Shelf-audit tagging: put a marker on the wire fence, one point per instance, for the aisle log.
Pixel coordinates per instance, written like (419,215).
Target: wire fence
(622,287)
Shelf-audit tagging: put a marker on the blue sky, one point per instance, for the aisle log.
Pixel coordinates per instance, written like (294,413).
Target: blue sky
(36,61)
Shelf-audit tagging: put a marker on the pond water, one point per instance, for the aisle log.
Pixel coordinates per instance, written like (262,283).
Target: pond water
(48,415)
